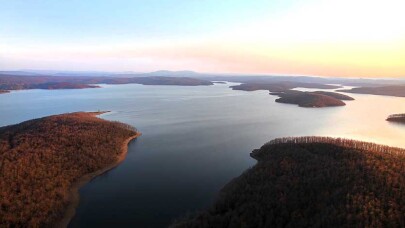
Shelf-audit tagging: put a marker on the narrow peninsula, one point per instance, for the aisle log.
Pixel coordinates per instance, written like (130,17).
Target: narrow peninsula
(284,90)
(391,90)
(20,82)
(43,163)
(313,182)
(400,118)
(281,86)
(62,85)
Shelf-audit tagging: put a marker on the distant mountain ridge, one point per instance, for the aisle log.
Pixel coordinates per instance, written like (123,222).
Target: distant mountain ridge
(166,73)
(240,78)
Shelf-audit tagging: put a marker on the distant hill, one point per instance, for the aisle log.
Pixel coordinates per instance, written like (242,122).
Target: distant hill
(166,73)
(19,73)
(312,182)
(28,72)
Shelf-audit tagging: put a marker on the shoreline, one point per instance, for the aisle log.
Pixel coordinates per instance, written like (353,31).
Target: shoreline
(74,195)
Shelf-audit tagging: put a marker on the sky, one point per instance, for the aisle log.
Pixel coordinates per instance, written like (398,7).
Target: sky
(345,38)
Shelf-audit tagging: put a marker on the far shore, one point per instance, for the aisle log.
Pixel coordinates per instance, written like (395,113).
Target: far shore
(74,196)
(96,114)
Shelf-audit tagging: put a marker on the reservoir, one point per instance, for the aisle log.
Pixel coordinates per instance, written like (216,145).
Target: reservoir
(194,141)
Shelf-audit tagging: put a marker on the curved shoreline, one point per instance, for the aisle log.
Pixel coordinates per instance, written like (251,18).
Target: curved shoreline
(74,196)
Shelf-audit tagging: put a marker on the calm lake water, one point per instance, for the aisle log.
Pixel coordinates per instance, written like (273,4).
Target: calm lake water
(195,140)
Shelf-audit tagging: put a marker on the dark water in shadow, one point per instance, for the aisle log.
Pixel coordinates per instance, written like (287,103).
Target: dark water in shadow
(195,140)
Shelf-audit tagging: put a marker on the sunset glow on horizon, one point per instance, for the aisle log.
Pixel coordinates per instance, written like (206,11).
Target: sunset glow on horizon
(323,38)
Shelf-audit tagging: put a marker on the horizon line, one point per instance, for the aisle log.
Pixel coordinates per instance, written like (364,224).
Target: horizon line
(206,73)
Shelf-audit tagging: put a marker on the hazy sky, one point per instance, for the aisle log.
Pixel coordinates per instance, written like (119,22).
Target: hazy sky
(355,38)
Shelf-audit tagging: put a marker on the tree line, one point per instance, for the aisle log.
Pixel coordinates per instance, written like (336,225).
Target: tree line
(343,142)
(401,115)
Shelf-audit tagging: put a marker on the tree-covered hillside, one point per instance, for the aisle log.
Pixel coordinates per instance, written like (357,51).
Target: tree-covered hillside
(313,182)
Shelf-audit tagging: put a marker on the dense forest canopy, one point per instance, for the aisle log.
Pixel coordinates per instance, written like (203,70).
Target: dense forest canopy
(41,158)
(313,182)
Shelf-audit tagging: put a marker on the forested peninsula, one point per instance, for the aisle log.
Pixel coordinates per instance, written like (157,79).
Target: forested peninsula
(390,90)
(280,86)
(13,82)
(400,118)
(44,161)
(316,99)
(313,182)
